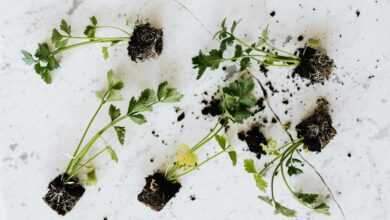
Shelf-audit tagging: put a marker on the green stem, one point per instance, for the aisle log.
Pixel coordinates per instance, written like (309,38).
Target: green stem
(77,170)
(202,163)
(217,128)
(85,132)
(91,41)
(113,27)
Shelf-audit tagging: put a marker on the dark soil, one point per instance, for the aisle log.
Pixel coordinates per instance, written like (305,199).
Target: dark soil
(181,117)
(146,42)
(63,196)
(158,191)
(212,108)
(254,138)
(315,65)
(317,130)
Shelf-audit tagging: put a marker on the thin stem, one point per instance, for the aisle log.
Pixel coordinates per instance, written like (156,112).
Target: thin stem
(202,163)
(75,172)
(92,41)
(217,128)
(85,132)
(113,27)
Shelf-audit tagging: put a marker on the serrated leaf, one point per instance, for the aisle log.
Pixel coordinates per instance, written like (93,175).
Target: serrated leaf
(65,27)
(114,112)
(56,36)
(105,53)
(260,182)
(93,20)
(249,166)
(27,57)
(120,132)
(266,199)
(322,208)
(139,119)
(293,171)
(204,61)
(221,141)
(61,43)
(168,94)
(307,198)
(148,96)
(245,63)
(233,157)
(279,208)
(112,153)
(90,31)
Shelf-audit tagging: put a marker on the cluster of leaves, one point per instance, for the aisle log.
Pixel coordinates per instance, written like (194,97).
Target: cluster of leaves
(238,99)
(261,52)
(137,106)
(45,60)
(285,159)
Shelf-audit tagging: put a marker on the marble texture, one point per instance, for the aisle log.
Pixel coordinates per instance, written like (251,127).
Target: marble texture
(40,124)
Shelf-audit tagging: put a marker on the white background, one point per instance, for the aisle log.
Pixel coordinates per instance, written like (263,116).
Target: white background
(40,124)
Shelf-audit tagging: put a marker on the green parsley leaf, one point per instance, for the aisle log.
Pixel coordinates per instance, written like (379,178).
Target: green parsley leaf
(93,20)
(249,166)
(322,208)
(56,36)
(138,118)
(204,61)
(221,141)
(279,208)
(105,53)
(65,27)
(91,176)
(114,112)
(293,171)
(233,157)
(120,132)
(307,198)
(167,94)
(27,57)
(260,182)
(266,199)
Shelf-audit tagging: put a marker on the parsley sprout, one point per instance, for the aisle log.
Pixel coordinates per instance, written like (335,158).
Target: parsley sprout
(237,102)
(144,42)
(261,52)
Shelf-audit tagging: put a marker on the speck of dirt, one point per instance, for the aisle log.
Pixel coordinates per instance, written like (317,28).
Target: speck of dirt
(105,218)
(213,108)
(349,155)
(264,69)
(274,120)
(285,101)
(23,156)
(181,116)
(192,197)
(272,14)
(271,88)
(254,138)
(151,160)
(357,13)
(13,146)
(300,38)
(154,133)
(371,76)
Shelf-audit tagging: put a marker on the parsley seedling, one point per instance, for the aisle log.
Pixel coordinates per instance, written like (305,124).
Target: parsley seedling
(144,42)
(60,196)
(261,52)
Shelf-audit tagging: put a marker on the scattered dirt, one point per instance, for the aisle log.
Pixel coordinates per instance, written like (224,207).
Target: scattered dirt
(158,191)
(300,38)
(317,130)
(254,138)
(146,42)
(212,108)
(181,117)
(192,197)
(62,196)
(315,65)
(272,14)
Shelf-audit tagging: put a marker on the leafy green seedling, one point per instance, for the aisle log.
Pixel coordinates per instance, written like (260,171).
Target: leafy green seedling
(311,62)
(237,102)
(66,190)
(45,59)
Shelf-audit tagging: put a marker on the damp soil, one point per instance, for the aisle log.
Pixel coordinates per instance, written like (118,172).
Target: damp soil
(315,65)
(158,191)
(254,138)
(63,193)
(146,42)
(317,130)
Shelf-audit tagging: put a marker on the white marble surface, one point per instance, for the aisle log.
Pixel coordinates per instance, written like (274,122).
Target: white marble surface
(40,124)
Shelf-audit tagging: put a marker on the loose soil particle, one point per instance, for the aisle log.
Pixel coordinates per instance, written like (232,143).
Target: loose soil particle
(158,191)
(254,138)
(317,130)
(63,196)
(213,108)
(181,116)
(146,42)
(314,65)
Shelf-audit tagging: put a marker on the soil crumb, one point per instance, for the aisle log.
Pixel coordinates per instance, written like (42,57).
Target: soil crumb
(315,65)
(146,42)
(254,138)
(158,191)
(181,117)
(317,130)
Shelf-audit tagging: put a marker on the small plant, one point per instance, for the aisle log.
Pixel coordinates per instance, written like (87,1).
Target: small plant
(314,133)
(144,42)
(236,104)
(65,190)
(311,63)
